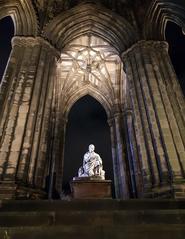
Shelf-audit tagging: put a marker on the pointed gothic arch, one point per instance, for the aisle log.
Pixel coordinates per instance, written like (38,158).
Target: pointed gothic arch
(90,18)
(86,124)
(93,93)
(159,13)
(118,151)
(22,14)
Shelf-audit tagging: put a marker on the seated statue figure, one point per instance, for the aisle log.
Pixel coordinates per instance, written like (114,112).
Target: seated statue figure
(92,164)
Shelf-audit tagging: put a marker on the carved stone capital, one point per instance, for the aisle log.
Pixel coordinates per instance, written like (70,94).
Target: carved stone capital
(145,45)
(127,112)
(110,121)
(115,116)
(23,41)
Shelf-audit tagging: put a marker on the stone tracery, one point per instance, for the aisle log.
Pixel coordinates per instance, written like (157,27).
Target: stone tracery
(90,62)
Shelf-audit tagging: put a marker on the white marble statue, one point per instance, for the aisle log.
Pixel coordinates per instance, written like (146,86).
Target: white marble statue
(92,164)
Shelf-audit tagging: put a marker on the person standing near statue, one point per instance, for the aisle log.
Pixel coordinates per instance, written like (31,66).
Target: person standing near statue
(92,165)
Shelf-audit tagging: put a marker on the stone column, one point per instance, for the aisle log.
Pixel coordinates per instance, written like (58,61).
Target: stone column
(42,138)
(26,108)
(119,160)
(136,184)
(158,134)
(114,158)
(59,146)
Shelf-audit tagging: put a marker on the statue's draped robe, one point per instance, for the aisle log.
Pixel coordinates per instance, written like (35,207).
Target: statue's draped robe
(91,162)
(92,166)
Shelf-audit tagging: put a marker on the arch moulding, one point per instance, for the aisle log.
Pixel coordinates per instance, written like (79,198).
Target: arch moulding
(92,19)
(159,13)
(22,14)
(106,104)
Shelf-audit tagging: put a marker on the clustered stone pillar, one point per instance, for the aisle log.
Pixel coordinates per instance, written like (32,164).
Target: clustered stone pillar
(26,105)
(159,126)
(118,154)
(132,158)
(58,153)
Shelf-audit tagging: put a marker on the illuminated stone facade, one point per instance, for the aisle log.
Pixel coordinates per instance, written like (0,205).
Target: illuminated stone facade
(114,51)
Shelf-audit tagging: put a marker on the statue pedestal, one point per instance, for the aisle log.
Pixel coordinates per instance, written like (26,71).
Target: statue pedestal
(88,187)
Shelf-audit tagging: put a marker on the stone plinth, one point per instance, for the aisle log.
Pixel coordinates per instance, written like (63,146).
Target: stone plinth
(87,187)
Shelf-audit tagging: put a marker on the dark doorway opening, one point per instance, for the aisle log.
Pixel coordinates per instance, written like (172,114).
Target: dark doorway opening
(176,40)
(87,124)
(6,34)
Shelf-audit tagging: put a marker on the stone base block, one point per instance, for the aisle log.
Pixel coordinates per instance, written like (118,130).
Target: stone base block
(26,192)
(162,192)
(7,189)
(88,188)
(179,189)
(174,190)
(14,190)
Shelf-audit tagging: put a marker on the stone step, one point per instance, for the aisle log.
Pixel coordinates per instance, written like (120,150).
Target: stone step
(7,187)
(112,217)
(7,196)
(133,219)
(101,204)
(96,232)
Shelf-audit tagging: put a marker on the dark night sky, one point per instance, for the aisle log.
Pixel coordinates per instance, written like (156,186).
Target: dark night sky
(176,41)
(6,33)
(87,119)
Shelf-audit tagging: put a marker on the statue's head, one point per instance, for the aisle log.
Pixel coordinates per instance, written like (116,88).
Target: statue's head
(91,147)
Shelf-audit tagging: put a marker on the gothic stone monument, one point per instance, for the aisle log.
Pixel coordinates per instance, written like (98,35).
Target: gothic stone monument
(91,182)
(114,51)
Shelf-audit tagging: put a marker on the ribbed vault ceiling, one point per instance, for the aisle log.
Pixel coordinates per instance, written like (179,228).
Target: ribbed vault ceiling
(87,65)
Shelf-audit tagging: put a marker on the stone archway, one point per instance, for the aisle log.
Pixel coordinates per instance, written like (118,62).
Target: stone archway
(89,65)
(86,124)
(23,16)
(158,14)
